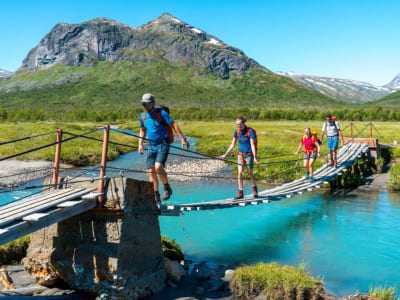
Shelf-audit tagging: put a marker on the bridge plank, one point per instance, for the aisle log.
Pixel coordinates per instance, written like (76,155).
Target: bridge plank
(346,157)
(38,207)
(22,228)
(36,200)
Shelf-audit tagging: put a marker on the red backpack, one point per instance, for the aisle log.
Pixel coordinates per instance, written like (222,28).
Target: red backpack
(161,121)
(247,134)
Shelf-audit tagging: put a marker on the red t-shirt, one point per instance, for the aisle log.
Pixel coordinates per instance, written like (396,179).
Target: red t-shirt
(309,143)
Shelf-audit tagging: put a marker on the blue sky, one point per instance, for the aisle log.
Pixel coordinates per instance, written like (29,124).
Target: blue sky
(352,39)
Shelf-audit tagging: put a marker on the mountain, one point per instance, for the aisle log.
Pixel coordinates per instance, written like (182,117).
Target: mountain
(5,74)
(165,37)
(394,84)
(104,62)
(351,91)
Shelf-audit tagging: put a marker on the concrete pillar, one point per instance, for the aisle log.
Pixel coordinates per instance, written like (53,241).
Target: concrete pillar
(113,251)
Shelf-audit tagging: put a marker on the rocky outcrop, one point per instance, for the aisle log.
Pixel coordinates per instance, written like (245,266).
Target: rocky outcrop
(166,38)
(115,253)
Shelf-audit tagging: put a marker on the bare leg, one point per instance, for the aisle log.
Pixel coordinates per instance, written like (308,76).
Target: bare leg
(240,177)
(334,157)
(311,166)
(251,175)
(306,165)
(153,178)
(161,173)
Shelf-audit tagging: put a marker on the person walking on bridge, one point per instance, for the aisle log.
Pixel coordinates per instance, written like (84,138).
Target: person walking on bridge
(247,154)
(156,123)
(311,151)
(333,132)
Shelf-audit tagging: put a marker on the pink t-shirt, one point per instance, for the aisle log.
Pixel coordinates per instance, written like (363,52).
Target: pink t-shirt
(309,143)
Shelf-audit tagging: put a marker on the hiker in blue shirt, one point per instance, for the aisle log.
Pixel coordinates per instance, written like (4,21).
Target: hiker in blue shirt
(247,154)
(157,124)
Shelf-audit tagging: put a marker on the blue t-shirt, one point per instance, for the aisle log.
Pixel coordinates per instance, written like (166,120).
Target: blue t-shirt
(156,132)
(244,141)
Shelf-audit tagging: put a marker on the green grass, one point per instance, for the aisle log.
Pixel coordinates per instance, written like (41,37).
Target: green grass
(14,251)
(383,293)
(78,152)
(121,84)
(394,177)
(274,138)
(277,282)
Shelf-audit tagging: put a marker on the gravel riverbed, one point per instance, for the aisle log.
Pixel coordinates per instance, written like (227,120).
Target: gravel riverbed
(16,172)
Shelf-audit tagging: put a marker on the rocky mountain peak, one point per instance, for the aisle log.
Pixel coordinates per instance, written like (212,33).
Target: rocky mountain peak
(165,37)
(394,84)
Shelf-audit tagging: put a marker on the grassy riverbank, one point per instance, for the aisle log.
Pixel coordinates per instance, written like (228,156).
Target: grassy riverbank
(277,139)
(78,152)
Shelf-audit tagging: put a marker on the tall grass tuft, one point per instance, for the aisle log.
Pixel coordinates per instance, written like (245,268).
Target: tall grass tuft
(383,293)
(275,281)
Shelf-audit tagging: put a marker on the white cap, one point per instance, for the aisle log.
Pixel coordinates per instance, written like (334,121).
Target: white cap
(148,98)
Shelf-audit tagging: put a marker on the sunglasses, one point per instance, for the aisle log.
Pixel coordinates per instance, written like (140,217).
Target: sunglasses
(146,104)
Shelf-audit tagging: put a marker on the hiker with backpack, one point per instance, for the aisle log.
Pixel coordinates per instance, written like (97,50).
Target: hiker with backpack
(156,123)
(332,128)
(311,151)
(247,154)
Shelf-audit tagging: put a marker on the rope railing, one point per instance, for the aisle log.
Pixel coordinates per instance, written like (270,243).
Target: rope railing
(44,146)
(26,138)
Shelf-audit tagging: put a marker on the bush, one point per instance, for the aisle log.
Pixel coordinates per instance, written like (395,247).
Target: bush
(171,249)
(383,293)
(277,282)
(14,251)
(394,177)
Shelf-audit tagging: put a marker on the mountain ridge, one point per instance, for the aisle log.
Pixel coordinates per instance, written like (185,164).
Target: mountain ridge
(351,91)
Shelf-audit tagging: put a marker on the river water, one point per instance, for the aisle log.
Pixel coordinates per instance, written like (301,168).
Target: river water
(352,240)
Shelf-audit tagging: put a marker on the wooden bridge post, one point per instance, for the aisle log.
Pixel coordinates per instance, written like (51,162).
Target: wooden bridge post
(103,165)
(56,167)
(370,130)
(351,129)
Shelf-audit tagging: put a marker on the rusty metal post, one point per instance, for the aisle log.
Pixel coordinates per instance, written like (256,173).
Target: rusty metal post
(370,130)
(351,129)
(56,167)
(103,165)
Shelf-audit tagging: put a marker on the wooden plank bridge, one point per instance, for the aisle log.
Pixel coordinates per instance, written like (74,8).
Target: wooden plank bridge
(346,157)
(32,213)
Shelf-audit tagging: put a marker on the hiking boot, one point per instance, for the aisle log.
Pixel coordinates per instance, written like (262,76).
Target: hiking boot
(157,197)
(307,175)
(167,192)
(239,195)
(311,179)
(255,191)
(335,164)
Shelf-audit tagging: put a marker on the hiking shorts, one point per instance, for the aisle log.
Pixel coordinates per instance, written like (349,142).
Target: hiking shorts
(158,153)
(333,142)
(248,161)
(311,155)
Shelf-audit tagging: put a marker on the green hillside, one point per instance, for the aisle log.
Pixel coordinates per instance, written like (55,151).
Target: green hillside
(389,101)
(121,84)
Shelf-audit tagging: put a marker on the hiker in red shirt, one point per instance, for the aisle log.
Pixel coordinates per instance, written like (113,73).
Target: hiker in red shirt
(311,151)
(247,154)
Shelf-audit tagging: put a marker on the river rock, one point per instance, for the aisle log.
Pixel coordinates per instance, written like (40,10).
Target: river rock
(201,271)
(173,270)
(228,274)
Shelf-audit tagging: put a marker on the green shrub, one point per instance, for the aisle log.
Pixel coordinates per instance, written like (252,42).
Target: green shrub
(14,251)
(394,177)
(383,293)
(171,249)
(277,282)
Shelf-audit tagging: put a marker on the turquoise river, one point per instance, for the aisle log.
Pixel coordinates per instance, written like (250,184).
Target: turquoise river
(351,240)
